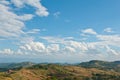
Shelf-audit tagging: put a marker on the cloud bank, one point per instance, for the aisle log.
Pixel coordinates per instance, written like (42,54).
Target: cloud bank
(12,25)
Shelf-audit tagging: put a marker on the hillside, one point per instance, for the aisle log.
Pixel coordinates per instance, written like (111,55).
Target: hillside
(6,66)
(61,72)
(103,65)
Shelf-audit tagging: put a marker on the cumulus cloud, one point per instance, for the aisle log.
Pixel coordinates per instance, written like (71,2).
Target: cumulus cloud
(104,47)
(77,45)
(33,47)
(7,52)
(69,49)
(33,31)
(111,51)
(12,24)
(113,40)
(4,2)
(52,48)
(91,50)
(52,39)
(109,30)
(39,48)
(25,17)
(95,47)
(40,10)
(89,31)
(109,37)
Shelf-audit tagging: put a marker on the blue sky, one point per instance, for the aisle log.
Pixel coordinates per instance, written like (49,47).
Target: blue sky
(59,30)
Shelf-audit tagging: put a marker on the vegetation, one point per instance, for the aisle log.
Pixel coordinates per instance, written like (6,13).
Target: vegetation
(103,65)
(62,72)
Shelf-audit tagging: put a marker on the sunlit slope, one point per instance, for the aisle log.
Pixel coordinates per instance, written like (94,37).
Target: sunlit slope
(59,72)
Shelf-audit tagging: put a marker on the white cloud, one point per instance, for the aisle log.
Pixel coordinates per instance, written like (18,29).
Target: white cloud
(25,40)
(95,47)
(109,37)
(89,31)
(51,39)
(69,49)
(4,2)
(33,47)
(40,10)
(19,52)
(66,47)
(26,17)
(111,51)
(52,48)
(109,30)
(38,47)
(12,24)
(33,31)
(77,45)
(7,52)
(113,40)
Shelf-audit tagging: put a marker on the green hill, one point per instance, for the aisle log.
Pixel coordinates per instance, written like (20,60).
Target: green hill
(6,66)
(103,65)
(62,72)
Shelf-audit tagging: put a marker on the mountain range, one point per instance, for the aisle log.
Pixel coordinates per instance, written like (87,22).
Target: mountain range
(92,70)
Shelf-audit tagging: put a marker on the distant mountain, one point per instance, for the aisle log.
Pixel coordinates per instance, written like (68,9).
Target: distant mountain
(104,65)
(6,66)
(59,72)
(117,62)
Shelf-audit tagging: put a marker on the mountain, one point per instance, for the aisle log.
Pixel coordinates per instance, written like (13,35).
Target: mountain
(104,65)
(6,66)
(92,70)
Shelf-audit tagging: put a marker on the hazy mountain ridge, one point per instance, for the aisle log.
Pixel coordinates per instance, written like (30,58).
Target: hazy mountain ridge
(6,66)
(92,70)
(104,65)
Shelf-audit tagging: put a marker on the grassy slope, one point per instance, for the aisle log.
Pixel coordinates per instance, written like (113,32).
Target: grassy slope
(103,65)
(58,72)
